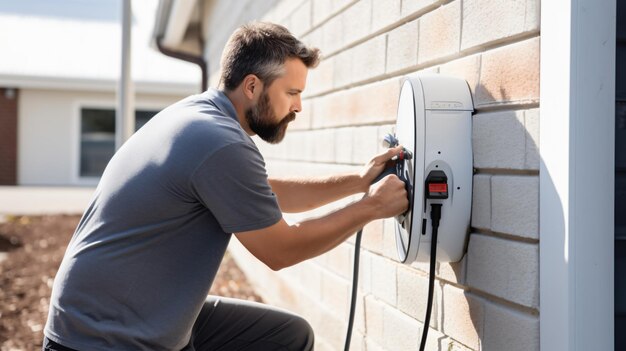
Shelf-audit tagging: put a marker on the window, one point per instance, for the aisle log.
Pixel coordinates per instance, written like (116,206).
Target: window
(97,138)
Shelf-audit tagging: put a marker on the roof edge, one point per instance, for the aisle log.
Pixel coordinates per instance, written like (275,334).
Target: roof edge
(99,85)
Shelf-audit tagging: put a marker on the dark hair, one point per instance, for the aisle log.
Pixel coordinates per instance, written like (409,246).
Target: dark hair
(261,48)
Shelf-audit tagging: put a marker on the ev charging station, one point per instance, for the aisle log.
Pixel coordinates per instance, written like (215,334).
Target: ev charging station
(434,124)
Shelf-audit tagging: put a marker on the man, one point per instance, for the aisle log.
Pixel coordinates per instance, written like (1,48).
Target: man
(138,269)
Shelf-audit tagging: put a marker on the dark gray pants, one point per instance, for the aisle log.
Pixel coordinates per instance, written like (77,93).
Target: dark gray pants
(231,324)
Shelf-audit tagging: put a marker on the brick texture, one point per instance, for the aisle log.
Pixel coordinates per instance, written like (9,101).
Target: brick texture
(8,136)
(412,292)
(515,205)
(463,316)
(509,75)
(506,18)
(323,9)
(400,332)
(508,329)
(488,300)
(504,268)
(384,12)
(402,47)
(367,104)
(506,140)
(467,68)
(439,34)
(481,201)
(413,7)
(499,140)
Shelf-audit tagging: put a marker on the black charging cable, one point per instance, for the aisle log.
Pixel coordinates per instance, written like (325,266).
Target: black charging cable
(435,215)
(355,283)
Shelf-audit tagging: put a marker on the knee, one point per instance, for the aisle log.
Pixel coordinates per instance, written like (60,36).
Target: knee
(305,335)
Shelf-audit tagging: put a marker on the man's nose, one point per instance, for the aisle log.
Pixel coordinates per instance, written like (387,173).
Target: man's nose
(297,106)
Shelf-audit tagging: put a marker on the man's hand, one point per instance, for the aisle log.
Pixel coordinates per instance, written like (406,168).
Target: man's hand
(389,196)
(377,164)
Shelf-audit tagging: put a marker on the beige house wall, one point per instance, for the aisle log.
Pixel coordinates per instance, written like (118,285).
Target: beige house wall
(489,300)
(49,132)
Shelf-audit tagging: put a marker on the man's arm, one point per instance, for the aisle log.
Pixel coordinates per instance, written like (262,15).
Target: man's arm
(282,245)
(302,194)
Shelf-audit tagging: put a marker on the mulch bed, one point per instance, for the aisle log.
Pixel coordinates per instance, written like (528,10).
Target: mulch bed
(33,248)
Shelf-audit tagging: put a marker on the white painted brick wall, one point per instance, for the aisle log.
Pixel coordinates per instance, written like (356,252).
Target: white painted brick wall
(486,21)
(332,35)
(400,332)
(372,239)
(413,7)
(509,329)
(384,12)
(311,279)
(323,9)
(389,248)
(504,268)
(463,316)
(481,201)
(498,140)
(336,294)
(340,259)
(489,300)
(402,47)
(371,103)
(299,21)
(368,59)
(374,319)
(357,21)
(324,145)
(531,122)
(467,68)
(440,33)
(365,144)
(504,140)
(412,294)
(383,277)
(365,272)
(454,272)
(515,205)
(509,75)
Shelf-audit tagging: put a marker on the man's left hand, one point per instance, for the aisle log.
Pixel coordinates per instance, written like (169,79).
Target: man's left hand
(377,165)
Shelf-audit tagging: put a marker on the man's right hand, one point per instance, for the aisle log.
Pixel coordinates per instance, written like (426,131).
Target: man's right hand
(389,196)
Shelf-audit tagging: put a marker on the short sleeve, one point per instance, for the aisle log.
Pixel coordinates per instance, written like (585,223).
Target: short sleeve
(232,183)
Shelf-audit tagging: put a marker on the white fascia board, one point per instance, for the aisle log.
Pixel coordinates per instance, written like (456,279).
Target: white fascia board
(83,84)
(576,174)
(177,22)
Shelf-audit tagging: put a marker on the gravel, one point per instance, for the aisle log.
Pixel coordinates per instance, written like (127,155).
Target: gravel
(31,249)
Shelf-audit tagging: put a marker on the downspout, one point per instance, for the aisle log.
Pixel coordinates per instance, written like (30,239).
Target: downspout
(198,60)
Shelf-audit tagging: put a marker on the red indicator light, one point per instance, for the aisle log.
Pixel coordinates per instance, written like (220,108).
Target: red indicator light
(437,188)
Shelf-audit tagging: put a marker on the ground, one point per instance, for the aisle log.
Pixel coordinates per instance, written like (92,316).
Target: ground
(31,249)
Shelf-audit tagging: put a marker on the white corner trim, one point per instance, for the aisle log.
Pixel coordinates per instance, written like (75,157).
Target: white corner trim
(577,174)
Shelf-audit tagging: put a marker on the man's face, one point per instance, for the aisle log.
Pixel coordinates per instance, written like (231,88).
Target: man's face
(278,103)
(262,120)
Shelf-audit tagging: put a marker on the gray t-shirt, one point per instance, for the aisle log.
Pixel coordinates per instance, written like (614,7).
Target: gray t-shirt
(144,255)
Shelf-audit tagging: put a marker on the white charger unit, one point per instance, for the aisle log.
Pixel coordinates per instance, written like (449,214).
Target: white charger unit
(434,123)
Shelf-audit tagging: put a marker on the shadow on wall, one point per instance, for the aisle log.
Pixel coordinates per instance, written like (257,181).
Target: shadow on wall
(494,272)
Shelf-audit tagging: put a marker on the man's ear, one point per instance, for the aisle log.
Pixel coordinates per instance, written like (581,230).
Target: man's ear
(252,86)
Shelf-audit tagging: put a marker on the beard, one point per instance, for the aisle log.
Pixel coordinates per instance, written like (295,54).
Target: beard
(260,119)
